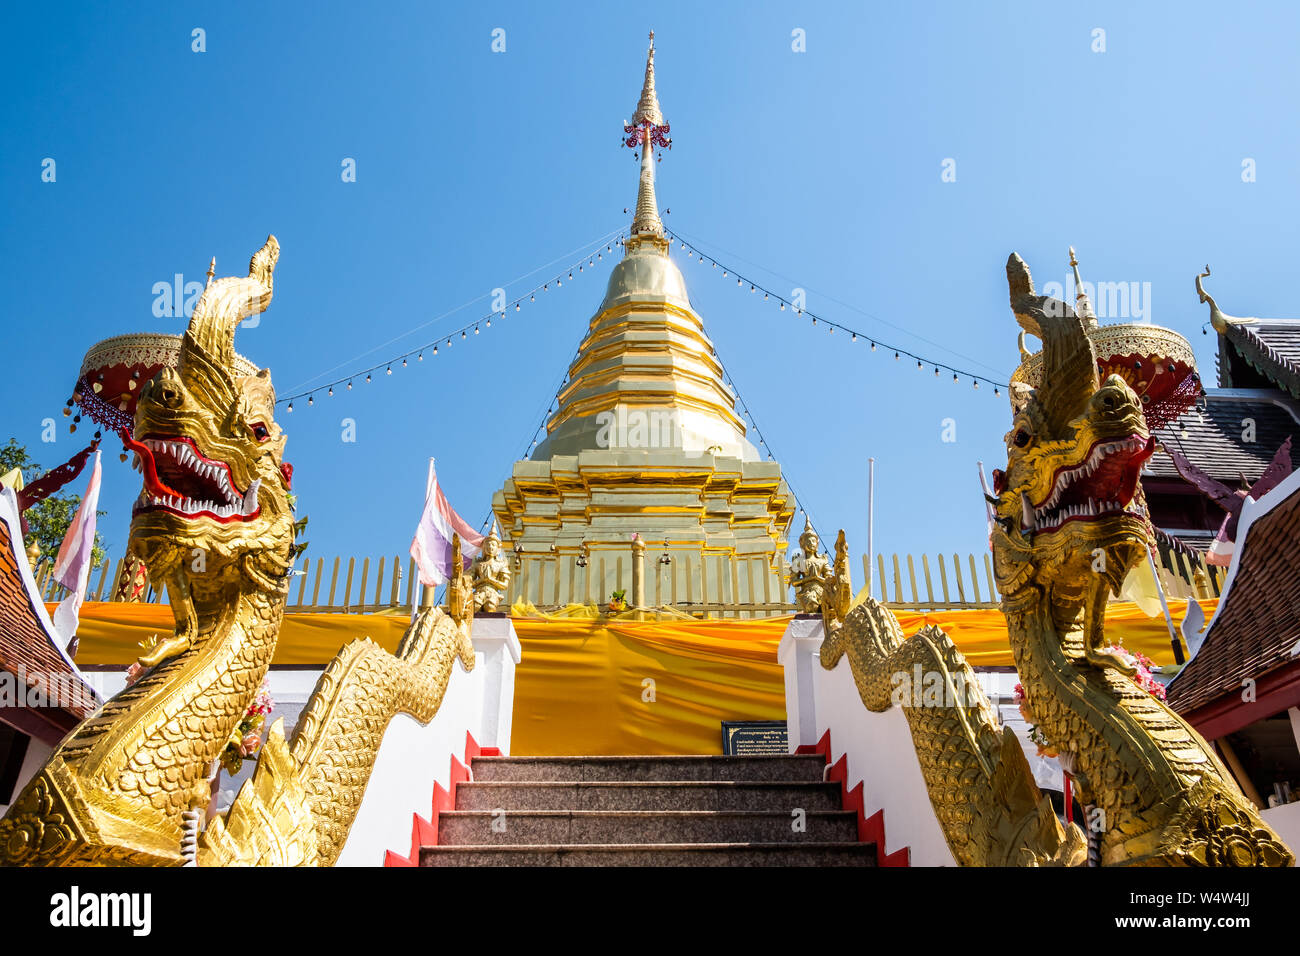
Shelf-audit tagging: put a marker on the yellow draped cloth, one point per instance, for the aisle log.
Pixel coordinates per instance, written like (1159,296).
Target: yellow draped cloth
(612,684)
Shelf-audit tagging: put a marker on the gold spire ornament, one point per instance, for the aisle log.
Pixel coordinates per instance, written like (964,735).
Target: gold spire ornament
(647,129)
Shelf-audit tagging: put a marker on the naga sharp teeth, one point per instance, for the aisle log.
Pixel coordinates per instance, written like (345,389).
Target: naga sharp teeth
(250,498)
(1026,511)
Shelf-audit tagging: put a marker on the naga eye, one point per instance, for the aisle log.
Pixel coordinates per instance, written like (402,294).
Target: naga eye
(1022,438)
(260,431)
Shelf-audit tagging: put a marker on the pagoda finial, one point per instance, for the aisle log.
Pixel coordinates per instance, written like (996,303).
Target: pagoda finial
(212,268)
(1082,307)
(647,129)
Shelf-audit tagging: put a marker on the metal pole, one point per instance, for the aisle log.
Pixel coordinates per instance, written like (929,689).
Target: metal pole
(871,517)
(1169,620)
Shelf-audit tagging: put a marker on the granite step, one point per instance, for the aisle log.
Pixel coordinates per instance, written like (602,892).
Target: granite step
(649,854)
(799,767)
(784,796)
(570,827)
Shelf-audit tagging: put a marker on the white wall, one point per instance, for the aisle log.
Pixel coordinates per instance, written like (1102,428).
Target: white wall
(410,760)
(1285,821)
(37,753)
(881,755)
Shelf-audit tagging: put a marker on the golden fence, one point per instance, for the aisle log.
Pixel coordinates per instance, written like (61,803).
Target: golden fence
(908,582)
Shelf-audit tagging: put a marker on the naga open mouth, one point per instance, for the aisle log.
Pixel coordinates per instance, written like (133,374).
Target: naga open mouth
(179,479)
(1101,486)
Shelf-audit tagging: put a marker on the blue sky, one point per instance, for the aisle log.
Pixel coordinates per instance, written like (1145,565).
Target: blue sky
(819,170)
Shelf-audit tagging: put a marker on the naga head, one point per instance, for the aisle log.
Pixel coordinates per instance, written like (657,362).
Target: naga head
(1069,513)
(215,483)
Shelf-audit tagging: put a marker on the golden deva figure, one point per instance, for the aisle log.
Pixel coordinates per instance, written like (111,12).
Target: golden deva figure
(810,572)
(491,573)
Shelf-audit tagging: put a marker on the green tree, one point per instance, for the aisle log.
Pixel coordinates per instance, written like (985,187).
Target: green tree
(48,520)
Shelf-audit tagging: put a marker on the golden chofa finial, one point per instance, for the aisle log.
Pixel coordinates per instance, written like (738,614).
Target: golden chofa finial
(212,268)
(1217,318)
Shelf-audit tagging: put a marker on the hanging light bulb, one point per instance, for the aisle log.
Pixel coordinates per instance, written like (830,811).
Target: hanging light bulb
(367,376)
(390,370)
(532,297)
(435,350)
(331,393)
(995,390)
(782,306)
(403,361)
(738,282)
(462,332)
(936,371)
(751,288)
(349,386)
(724,273)
(420,357)
(448,343)
(570,273)
(918,363)
(290,409)
(516,306)
(976,383)
(489,325)
(476,327)
(954,376)
(764,296)
(310,400)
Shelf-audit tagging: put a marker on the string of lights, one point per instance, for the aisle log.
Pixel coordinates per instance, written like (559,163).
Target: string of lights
(485,322)
(832,326)
(762,443)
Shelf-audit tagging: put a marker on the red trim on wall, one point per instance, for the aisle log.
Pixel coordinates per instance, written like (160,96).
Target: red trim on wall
(870,829)
(425,832)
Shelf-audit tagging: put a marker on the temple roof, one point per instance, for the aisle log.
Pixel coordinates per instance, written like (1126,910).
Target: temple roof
(1212,439)
(1256,627)
(1254,351)
(1270,348)
(28,647)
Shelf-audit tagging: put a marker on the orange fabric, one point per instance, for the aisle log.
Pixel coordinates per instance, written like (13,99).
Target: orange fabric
(620,687)
(109,633)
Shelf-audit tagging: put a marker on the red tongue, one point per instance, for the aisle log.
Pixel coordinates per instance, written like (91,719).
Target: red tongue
(152,482)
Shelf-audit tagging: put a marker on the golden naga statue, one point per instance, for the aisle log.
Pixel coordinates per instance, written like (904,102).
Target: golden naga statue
(1070,524)
(214,523)
(983,793)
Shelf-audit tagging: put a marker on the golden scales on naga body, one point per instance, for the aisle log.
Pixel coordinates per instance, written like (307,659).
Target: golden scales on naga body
(127,785)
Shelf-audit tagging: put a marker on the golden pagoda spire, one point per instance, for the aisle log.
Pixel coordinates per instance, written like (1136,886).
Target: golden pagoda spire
(1082,307)
(647,129)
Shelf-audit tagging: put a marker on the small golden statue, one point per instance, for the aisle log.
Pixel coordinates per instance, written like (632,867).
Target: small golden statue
(810,572)
(491,573)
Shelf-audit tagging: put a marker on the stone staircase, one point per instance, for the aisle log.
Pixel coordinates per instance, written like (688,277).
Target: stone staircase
(648,811)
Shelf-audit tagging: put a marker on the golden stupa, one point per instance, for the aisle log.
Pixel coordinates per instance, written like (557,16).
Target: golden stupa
(645,440)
